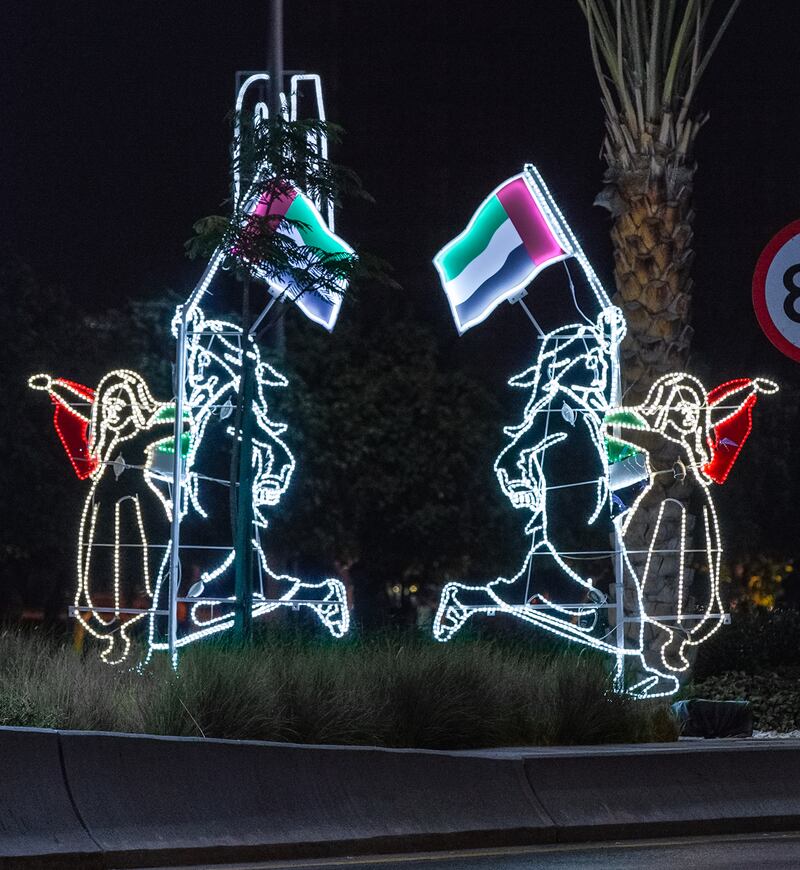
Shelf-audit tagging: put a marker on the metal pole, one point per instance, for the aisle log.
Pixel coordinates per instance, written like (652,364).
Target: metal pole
(532,319)
(619,571)
(243,565)
(275,65)
(177,488)
(264,313)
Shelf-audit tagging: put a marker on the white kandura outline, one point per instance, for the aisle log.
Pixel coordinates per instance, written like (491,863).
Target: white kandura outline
(587,386)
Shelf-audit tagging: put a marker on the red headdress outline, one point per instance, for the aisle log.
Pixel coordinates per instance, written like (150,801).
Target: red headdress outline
(732,431)
(72,428)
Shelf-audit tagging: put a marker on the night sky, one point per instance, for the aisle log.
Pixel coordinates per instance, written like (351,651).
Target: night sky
(116,141)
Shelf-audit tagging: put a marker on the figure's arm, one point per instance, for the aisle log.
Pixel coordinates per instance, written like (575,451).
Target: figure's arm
(633,430)
(75,397)
(641,438)
(726,400)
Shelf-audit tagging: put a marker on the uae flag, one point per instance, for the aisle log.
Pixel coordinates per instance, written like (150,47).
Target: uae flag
(508,241)
(307,228)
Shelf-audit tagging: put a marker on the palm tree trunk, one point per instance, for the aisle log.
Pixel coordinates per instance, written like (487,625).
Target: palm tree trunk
(652,238)
(650,202)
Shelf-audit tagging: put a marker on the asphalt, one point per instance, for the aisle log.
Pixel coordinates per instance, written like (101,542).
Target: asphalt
(764,851)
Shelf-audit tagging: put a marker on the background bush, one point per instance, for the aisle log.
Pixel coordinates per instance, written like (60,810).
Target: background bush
(774,697)
(756,639)
(756,658)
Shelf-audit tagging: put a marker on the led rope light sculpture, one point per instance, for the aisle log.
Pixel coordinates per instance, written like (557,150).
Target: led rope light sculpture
(214,361)
(573,408)
(121,411)
(573,372)
(517,231)
(330,606)
(678,411)
(170,439)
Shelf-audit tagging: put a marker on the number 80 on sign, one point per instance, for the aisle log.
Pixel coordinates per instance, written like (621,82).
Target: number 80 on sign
(776,290)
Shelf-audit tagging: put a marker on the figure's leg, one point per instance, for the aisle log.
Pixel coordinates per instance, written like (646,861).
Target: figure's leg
(327,600)
(653,683)
(653,677)
(460,601)
(452,613)
(691,633)
(98,578)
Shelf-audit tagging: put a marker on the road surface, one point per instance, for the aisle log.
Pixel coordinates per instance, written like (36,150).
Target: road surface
(746,852)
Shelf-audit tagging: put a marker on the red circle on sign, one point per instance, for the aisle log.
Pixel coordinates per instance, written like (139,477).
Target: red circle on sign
(760,290)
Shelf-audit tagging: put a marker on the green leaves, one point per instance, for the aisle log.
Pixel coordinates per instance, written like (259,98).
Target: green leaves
(209,233)
(654,54)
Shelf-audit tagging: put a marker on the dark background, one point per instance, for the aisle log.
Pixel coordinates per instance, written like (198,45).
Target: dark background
(116,133)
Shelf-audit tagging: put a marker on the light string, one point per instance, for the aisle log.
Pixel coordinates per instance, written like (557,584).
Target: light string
(575,391)
(214,359)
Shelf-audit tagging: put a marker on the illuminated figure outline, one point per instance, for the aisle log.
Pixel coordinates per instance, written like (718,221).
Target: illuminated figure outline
(596,406)
(213,370)
(679,410)
(582,383)
(104,430)
(122,408)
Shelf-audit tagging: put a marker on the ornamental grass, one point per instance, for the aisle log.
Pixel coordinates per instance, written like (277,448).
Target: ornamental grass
(393,689)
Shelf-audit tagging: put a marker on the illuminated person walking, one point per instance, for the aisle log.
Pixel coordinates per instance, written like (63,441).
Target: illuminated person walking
(570,386)
(573,416)
(214,361)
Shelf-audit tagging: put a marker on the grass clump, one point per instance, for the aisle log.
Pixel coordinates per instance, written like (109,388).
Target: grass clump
(397,690)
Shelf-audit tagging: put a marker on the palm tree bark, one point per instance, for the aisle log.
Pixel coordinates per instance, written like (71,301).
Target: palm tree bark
(652,236)
(649,59)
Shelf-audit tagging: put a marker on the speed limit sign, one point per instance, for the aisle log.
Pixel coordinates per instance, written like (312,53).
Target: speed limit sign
(776,290)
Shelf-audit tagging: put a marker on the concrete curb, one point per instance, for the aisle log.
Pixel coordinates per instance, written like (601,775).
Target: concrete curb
(38,820)
(99,800)
(716,787)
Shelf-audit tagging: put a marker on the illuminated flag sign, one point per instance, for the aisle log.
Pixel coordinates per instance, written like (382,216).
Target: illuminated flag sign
(308,230)
(510,239)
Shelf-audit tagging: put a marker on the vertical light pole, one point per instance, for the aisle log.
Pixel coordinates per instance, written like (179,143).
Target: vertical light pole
(243,532)
(177,490)
(275,67)
(243,543)
(276,54)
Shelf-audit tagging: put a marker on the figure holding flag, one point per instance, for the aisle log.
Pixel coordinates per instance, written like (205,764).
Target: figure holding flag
(574,412)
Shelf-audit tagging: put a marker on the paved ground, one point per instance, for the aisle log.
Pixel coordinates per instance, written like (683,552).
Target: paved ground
(763,852)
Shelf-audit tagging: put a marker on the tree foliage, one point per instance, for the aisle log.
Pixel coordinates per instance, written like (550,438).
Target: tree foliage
(394,452)
(271,158)
(650,56)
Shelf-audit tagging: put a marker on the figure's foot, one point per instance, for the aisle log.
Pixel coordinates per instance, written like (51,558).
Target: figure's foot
(451,614)
(654,685)
(117,647)
(334,613)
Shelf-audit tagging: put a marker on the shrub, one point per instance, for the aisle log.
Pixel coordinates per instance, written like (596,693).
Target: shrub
(756,639)
(774,698)
(388,690)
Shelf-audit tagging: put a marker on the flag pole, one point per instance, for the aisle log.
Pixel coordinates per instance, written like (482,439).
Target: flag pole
(177,488)
(532,319)
(275,68)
